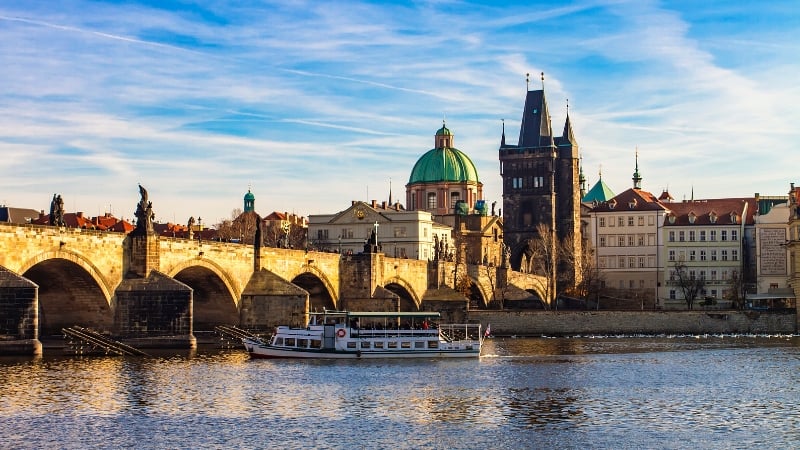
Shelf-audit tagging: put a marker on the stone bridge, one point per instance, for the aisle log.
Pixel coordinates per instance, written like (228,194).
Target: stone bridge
(150,289)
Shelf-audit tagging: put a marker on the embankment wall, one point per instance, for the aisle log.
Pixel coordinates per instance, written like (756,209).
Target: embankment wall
(577,323)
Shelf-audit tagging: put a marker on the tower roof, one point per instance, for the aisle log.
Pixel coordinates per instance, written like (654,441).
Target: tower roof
(600,192)
(535,130)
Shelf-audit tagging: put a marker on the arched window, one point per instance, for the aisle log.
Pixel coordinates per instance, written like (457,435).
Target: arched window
(431,200)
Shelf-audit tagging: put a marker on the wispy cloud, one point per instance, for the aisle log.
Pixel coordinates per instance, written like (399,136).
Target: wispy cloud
(313,104)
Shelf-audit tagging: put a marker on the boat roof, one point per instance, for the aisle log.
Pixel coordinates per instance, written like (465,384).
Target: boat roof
(409,314)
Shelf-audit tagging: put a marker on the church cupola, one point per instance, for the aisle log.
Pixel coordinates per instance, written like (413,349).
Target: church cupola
(249,201)
(443,138)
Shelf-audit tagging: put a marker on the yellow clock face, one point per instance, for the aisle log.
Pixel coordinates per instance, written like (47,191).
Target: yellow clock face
(360,214)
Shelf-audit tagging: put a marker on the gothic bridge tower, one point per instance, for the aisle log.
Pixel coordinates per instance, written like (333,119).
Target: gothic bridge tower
(541,185)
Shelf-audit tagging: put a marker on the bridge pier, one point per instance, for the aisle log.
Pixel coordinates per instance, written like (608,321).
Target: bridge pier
(19,310)
(268,301)
(154,312)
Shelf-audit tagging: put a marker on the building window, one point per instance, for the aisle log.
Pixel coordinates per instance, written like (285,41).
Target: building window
(641,221)
(620,241)
(724,275)
(734,255)
(702,255)
(734,235)
(713,274)
(630,240)
(603,262)
(714,293)
(712,235)
(641,261)
(621,221)
(454,198)
(399,231)
(671,236)
(631,262)
(691,236)
(630,221)
(672,255)
(322,234)
(672,294)
(713,255)
(702,235)
(611,221)
(671,275)
(602,241)
(692,255)
(621,262)
(641,240)
(431,200)
(692,274)
(723,235)
(347,233)
(724,255)
(602,221)
(681,236)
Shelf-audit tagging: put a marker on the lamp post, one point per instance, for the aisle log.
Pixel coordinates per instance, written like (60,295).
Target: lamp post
(376,235)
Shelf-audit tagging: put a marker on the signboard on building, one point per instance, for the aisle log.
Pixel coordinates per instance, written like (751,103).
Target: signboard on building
(772,248)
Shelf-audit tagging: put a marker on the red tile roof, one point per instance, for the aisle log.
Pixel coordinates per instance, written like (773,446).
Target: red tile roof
(705,210)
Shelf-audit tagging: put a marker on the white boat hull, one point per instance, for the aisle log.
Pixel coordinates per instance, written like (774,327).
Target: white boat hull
(262,350)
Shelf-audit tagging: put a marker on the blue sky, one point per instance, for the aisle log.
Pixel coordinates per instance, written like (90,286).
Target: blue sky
(313,104)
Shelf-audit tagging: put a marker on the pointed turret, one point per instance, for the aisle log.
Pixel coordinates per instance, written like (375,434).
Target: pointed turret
(568,137)
(503,138)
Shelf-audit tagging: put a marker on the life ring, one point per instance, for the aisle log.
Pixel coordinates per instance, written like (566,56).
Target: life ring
(341,333)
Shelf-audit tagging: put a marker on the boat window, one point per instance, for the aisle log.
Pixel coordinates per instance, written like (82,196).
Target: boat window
(364,344)
(279,341)
(405,345)
(419,344)
(351,344)
(433,344)
(392,344)
(290,342)
(316,343)
(302,343)
(379,344)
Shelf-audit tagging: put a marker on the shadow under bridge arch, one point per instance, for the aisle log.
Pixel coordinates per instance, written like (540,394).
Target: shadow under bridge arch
(408,301)
(213,299)
(319,297)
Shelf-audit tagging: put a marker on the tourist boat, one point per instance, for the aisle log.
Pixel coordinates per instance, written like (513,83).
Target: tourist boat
(346,334)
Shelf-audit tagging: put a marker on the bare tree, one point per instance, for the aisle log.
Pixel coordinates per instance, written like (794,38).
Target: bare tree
(542,256)
(735,292)
(691,286)
(240,228)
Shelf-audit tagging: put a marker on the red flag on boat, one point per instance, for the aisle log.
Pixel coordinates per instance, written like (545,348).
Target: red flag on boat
(488,330)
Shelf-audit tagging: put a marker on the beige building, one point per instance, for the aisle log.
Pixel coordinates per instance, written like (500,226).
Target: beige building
(707,237)
(397,232)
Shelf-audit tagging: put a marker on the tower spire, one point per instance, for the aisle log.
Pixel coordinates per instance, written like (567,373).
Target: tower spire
(637,178)
(503,138)
(527,82)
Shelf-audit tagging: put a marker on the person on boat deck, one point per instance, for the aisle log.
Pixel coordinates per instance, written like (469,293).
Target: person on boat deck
(425,325)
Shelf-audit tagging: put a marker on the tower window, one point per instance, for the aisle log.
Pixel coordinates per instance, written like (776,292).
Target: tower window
(431,200)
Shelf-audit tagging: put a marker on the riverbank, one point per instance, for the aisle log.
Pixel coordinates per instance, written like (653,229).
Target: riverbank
(581,323)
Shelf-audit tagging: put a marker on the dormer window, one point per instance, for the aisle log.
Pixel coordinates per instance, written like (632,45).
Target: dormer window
(671,219)
(712,217)
(692,217)
(632,204)
(734,217)
(612,204)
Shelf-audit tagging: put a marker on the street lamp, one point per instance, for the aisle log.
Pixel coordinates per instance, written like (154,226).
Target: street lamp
(376,235)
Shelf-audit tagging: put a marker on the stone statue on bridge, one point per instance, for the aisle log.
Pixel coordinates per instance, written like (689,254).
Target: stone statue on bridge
(144,214)
(57,211)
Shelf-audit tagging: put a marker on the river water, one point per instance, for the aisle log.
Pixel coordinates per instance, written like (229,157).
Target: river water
(680,392)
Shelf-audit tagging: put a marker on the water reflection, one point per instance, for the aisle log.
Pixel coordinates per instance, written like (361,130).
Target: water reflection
(590,392)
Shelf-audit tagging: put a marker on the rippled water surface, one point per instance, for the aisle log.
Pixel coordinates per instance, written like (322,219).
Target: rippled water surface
(695,392)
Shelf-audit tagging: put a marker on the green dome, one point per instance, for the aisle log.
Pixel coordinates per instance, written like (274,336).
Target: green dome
(443,164)
(443,131)
(249,196)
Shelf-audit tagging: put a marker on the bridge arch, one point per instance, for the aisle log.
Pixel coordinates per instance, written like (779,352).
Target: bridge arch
(105,285)
(70,293)
(404,290)
(321,292)
(215,298)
